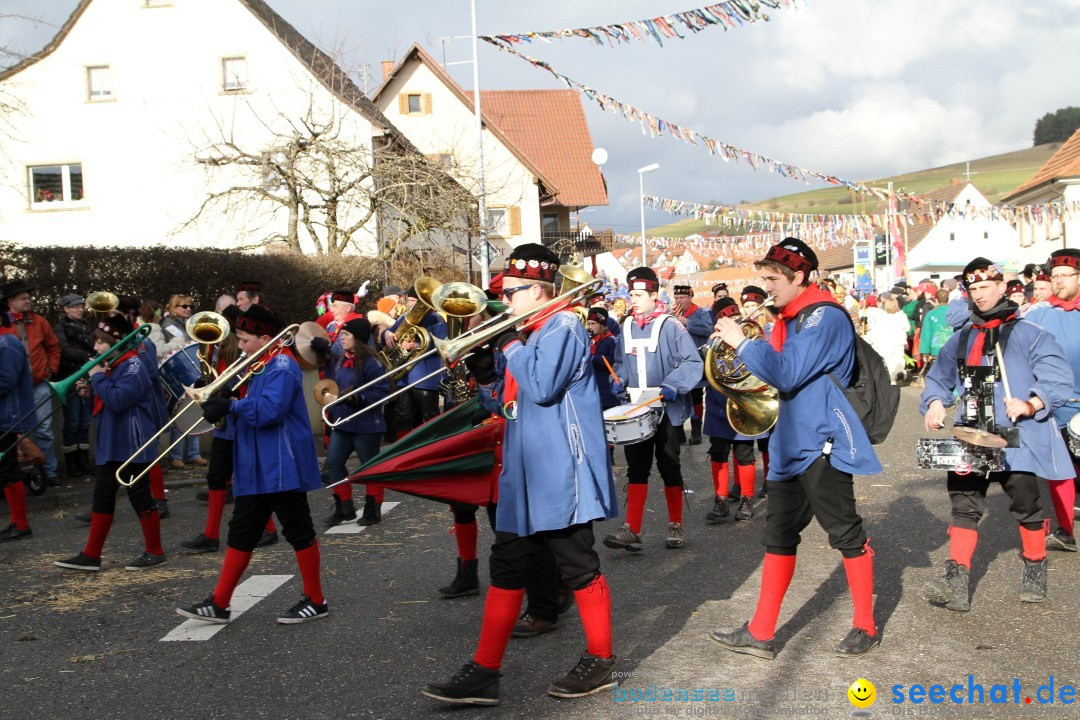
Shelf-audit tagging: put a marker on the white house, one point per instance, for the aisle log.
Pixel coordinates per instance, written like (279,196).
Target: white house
(536,146)
(1057,181)
(117,108)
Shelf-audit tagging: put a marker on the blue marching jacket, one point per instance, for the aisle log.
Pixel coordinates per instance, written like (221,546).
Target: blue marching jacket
(274,450)
(16,386)
(364,370)
(676,363)
(1035,365)
(604,348)
(700,326)
(148,353)
(436,326)
(812,408)
(556,471)
(128,417)
(1063,326)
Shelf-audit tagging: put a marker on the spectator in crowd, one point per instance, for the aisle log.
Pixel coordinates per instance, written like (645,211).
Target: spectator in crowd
(76,338)
(248,294)
(223,302)
(935,330)
(177,312)
(887,333)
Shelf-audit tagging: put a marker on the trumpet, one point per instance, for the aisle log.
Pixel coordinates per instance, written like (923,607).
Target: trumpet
(249,365)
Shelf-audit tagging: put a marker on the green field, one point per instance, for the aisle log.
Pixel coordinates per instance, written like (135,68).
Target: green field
(996,176)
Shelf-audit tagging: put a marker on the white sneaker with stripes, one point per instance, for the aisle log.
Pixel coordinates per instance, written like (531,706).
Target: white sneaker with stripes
(206,611)
(303,611)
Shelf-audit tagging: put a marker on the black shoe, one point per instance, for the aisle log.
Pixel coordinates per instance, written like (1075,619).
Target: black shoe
(741,641)
(591,675)
(720,511)
(528,626)
(12,533)
(746,509)
(146,561)
(201,544)
(566,599)
(465,582)
(695,439)
(83,458)
(268,538)
(950,591)
(857,642)
(344,511)
(473,685)
(372,512)
(304,611)
(73,468)
(80,562)
(764,491)
(733,497)
(206,611)
(1061,540)
(162,508)
(1033,581)
(83,517)
(52,481)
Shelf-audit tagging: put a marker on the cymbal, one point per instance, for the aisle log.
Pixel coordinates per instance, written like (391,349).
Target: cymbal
(304,354)
(326,390)
(978,437)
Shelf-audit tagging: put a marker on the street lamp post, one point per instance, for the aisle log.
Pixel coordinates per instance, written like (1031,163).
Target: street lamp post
(641,182)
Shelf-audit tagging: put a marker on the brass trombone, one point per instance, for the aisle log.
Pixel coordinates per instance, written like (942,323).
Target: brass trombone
(249,365)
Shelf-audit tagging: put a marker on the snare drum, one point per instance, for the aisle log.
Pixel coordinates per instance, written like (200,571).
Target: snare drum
(623,425)
(1072,435)
(957,456)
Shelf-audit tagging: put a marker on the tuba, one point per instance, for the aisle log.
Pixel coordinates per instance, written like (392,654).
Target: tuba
(753,406)
(458,301)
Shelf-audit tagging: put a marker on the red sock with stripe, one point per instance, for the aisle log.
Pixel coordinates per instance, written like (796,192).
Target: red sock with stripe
(635,504)
(308,560)
(962,542)
(860,578)
(99,530)
(1034,542)
(15,493)
(594,606)
(720,478)
(465,534)
(501,610)
(674,498)
(775,577)
(151,530)
(215,509)
(236,562)
(746,474)
(157,482)
(1063,495)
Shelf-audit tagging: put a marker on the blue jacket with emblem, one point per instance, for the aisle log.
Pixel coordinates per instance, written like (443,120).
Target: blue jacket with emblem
(128,417)
(16,386)
(1064,326)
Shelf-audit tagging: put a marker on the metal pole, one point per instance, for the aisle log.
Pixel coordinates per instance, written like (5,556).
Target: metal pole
(485,274)
(644,257)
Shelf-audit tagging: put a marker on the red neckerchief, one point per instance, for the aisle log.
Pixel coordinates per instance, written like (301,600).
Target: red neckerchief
(1064,304)
(975,355)
(17,317)
(643,320)
(98,404)
(347,359)
(812,294)
(510,385)
(597,338)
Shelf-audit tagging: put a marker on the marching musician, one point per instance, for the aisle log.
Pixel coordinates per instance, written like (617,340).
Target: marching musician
(698,321)
(818,444)
(16,402)
(274,467)
(752,297)
(1059,315)
(602,346)
(1039,381)
(657,357)
(556,480)
(599,300)
(126,418)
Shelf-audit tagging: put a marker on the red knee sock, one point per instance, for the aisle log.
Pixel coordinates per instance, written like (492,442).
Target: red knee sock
(745,474)
(151,530)
(270,527)
(765,464)
(236,562)
(465,534)
(214,511)
(699,410)
(308,560)
(99,530)
(860,579)
(594,606)
(1034,542)
(376,491)
(343,491)
(720,478)
(501,610)
(157,482)
(674,498)
(775,577)
(16,499)
(1063,495)
(635,504)
(962,545)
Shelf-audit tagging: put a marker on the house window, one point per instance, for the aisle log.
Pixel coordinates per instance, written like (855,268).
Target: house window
(55,184)
(414,103)
(952,236)
(496,222)
(234,74)
(549,223)
(986,235)
(99,82)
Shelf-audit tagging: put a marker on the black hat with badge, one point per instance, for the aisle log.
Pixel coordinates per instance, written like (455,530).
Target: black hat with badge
(981,270)
(682,290)
(793,254)
(752,293)
(643,278)
(257,320)
(1066,257)
(725,307)
(598,315)
(115,326)
(532,261)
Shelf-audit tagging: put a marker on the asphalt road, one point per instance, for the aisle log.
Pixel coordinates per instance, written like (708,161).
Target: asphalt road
(90,645)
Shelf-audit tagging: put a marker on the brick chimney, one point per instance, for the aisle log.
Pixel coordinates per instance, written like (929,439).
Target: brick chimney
(387,68)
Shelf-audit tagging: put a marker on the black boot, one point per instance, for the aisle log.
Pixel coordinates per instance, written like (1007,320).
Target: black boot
(1033,582)
(591,675)
(372,512)
(695,431)
(473,684)
(344,511)
(74,469)
(83,456)
(465,582)
(950,591)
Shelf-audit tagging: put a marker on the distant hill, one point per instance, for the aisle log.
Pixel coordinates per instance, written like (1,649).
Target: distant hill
(994,176)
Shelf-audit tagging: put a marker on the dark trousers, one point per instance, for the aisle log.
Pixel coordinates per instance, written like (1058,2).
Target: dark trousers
(252,512)
(9,463)
(822,492)
(664,444)
(763,444)
(512,557)
(967,493)
(720,449)
(416,407)
(220,469)
(106,487)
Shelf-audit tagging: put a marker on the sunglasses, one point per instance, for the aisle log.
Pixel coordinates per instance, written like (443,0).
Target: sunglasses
(186,307)
(509,293)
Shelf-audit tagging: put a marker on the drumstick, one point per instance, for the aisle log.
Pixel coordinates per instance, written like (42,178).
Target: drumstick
(640,405)
(610,369)
(1004,377)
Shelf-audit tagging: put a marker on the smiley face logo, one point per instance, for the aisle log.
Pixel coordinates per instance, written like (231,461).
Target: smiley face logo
(862,693)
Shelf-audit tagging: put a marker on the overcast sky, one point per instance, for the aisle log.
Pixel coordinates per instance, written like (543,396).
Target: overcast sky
(854,88)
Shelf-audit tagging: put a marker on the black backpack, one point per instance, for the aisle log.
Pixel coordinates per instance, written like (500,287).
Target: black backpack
(871,393)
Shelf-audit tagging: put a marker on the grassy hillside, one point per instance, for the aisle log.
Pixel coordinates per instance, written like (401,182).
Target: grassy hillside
(996,176)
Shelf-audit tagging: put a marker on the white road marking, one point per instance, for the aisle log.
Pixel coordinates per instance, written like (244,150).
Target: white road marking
(247,594)
(351,528)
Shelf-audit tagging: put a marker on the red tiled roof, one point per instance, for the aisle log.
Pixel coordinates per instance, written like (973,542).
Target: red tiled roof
(1063,163)
(549,127)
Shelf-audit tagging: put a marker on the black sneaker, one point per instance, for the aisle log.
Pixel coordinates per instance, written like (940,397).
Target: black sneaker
(591,675)
(720,511)
(746,509)
(858,642)
(1033,581)
(1061,540)
(472,685)
(206,611)
(303,611)
(12,533)
(201,544)
(268,538)
(950,591)
(80,562)
(741,641)
(146,561)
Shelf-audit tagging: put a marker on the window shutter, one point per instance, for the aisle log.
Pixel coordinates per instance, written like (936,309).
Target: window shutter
(515,221)
(403,103)
(425,103)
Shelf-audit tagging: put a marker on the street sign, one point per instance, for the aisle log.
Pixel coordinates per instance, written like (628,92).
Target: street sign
(485,253)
